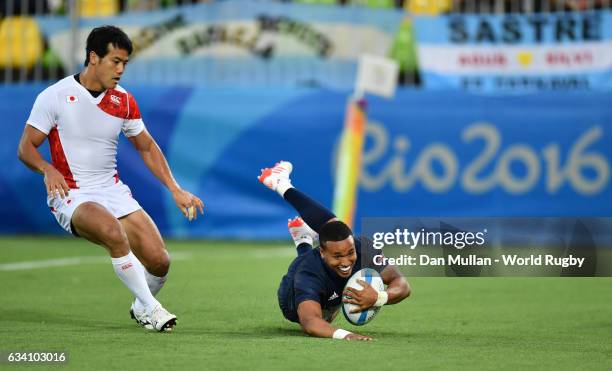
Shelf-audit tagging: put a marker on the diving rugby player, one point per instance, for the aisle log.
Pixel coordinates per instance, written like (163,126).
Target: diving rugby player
(311,291)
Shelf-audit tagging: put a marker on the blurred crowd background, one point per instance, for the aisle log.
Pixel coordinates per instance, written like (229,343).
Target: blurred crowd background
(25,53)
(90,8)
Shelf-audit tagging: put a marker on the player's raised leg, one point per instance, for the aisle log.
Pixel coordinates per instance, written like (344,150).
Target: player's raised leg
(303,236)
(277,179)
(147,244)
(93,222)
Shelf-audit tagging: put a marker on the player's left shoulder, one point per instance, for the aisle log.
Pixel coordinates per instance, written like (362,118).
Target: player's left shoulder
(120,89)
(123,93)
(123,90)
(133,112)
(365,252)
(360,244)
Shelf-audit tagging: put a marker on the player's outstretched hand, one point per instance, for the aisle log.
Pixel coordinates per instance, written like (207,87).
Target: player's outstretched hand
(357,337)
(364,299)
(188,204)
(55,183)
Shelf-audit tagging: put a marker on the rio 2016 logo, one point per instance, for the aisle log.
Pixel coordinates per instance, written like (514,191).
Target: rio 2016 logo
(438,168)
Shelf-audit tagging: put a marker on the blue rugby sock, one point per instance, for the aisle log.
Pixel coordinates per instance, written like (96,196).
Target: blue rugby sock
(313,213)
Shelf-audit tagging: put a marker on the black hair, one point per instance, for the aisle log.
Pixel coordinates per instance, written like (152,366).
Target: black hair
(100,37)
(334,231)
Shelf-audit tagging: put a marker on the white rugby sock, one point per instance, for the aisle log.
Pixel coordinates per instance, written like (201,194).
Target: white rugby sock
(303,239)
(155,284)
(282,186)
(131,272)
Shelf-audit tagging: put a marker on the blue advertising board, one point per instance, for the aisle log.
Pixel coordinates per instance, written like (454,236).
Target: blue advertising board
(426,154)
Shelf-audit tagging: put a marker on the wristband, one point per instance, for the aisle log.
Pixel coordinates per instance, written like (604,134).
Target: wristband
(383,297)
(340,334)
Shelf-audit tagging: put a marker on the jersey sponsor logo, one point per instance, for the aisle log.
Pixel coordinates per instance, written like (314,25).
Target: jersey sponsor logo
(334,296)
(112,103)
(126,266)
(115,99)
(72,99)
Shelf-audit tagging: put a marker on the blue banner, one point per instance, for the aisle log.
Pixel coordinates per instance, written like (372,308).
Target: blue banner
(516,53)
(426,154)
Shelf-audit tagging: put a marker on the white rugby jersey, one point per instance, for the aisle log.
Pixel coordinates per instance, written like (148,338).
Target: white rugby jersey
(83,131)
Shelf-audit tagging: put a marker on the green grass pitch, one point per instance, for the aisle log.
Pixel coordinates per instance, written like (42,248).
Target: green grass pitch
(224,295)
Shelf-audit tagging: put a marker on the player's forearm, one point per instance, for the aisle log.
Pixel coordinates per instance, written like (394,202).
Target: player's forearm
(29,155)
(157,164)
(317,327)
(398,290)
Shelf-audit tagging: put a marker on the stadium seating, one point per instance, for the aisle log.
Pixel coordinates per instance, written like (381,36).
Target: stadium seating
(325,2)
(21,44)
(404,52)
(428,7)
(374,3)
(98,8)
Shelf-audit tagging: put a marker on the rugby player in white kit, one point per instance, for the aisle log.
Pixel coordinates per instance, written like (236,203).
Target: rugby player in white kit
(82,116)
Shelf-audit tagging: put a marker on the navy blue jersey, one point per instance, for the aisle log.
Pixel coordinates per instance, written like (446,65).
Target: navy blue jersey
(309,278)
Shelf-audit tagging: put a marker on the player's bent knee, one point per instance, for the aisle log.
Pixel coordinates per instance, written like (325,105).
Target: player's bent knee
(162,264)
(113,236)
(158,264)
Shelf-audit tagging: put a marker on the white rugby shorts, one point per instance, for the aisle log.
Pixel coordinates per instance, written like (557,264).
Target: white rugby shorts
(117,199)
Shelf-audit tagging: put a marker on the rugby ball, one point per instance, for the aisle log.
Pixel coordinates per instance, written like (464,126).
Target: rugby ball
(372,277)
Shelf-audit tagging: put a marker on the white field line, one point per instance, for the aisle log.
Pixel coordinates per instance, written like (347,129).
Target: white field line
(273,252)
(80,260)
(64,262)
(38,264)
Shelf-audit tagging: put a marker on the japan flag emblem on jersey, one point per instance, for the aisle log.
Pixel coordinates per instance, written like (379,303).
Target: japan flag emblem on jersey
(71,99)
